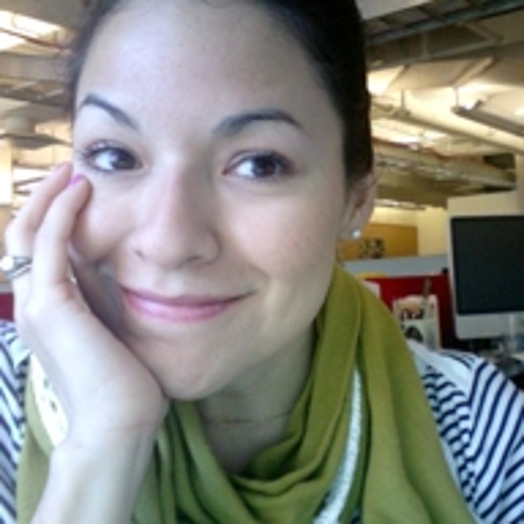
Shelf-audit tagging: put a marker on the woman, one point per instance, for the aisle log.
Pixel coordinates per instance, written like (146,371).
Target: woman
(211,365)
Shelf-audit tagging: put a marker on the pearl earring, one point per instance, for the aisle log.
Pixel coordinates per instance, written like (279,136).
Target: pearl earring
(356,234)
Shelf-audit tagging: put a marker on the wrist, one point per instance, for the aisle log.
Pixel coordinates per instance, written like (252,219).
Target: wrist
(95,480)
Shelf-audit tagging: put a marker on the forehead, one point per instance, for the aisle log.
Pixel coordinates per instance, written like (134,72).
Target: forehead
(217,32)
(209,53)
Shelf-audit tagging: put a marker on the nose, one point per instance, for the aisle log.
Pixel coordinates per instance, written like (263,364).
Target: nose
(176,223)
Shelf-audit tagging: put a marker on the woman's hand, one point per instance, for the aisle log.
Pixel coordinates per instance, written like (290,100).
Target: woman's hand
(113,404)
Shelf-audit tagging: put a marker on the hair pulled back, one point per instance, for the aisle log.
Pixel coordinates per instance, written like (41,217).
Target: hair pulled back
(331,34)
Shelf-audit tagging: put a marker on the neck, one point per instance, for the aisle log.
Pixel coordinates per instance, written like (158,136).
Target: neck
(243,420)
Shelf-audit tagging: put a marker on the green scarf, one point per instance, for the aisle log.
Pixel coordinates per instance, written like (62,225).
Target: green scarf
(401,473)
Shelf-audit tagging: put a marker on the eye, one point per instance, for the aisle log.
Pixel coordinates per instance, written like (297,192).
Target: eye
(108,158)
(261,165)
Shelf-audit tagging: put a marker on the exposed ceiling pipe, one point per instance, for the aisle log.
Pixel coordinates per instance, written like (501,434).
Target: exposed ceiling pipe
(458,17)
(408,117)
(405,194)
(56,101)
(440,168)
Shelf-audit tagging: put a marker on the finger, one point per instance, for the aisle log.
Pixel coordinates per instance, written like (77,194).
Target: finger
(50,249)
(20,234)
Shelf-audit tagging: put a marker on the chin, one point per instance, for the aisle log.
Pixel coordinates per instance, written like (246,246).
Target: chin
(187,390)
(182,375)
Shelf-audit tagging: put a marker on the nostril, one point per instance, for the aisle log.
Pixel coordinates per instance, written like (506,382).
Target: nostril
(176,218)
(176,246)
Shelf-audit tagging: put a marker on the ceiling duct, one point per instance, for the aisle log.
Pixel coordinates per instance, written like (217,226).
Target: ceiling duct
(20,132)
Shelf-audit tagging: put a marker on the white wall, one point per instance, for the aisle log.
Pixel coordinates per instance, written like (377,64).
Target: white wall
(432,223)
(432,231)
(390,215)
(505,203)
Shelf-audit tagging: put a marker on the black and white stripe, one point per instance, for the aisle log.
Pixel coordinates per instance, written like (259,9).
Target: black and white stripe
(479,416)
(13,376)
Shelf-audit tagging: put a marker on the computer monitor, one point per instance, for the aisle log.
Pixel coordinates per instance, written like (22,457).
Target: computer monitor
(487,273)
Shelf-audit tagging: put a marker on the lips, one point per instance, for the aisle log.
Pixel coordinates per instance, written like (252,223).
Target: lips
(180,309)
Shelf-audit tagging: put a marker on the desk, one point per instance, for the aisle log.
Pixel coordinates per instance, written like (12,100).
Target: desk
(513,368)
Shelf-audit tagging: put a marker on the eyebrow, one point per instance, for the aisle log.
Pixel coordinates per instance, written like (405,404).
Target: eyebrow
(117,114)
(230,126)
(235,124)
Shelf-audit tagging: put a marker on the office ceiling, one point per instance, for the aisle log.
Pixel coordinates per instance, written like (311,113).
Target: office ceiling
(447,79)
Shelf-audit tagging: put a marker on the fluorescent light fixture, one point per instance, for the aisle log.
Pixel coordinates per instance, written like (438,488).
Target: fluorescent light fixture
(478,88)
(23,25)
(376,8)
(400,205)
(433,136)
(476,114)
(397,132)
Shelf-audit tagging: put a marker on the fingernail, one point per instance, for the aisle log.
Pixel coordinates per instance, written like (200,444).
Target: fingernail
(75,179)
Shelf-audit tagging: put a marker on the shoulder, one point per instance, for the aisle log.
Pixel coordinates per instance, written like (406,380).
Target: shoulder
(480,419)
(12,348)
(14,359)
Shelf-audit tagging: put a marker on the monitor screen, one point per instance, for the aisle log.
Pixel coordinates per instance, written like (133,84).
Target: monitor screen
(488,264)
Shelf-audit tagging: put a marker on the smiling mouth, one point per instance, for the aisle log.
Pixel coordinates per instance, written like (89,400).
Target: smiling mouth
(181,309)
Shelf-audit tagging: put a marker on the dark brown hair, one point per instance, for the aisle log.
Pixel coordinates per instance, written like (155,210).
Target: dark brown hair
(329,31)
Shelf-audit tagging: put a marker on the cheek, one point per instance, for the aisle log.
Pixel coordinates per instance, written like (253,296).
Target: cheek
(96,232)
(291,240)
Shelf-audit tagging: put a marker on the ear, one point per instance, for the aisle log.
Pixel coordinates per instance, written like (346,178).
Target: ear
(360,202)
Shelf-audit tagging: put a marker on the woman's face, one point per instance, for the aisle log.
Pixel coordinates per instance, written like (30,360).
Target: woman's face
(218,190)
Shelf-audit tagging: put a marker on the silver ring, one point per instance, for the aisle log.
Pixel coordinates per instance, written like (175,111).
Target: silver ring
(13,266)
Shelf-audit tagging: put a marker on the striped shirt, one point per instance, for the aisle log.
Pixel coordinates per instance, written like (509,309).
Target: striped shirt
(478,413)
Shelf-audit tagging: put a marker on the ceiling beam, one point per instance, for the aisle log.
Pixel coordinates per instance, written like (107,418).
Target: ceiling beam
(376,8)
(31,68)
(408,186)
(61,12)
(439,21)
(407,194)
(31,98)
(66,12)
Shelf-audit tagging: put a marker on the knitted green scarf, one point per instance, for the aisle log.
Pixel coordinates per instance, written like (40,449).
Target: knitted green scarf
(401,475)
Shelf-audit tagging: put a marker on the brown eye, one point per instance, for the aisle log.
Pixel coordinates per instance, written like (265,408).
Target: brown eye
(108,159)
(260,166)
